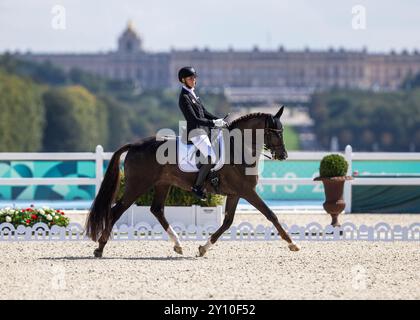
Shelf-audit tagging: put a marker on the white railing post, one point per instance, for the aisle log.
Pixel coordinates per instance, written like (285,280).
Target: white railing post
(347,184)
(99,164)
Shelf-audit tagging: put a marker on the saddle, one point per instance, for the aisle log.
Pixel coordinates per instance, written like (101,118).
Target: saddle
(187,154)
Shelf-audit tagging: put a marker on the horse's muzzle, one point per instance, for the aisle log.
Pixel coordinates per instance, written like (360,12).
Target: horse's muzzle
(281,155)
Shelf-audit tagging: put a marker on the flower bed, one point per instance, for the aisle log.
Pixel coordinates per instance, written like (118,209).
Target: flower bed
(29,216)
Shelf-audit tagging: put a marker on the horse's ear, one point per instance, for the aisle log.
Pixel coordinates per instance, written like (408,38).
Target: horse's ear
(278,114)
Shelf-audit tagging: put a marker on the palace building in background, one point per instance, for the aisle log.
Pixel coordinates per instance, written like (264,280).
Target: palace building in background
(254,75)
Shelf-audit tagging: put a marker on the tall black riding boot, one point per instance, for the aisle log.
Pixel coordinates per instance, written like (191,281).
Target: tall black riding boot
(197,189)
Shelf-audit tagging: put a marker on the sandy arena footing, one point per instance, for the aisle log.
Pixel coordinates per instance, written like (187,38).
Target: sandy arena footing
(230,270)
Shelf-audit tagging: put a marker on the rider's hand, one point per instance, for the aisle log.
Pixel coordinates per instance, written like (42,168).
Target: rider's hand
(219,123)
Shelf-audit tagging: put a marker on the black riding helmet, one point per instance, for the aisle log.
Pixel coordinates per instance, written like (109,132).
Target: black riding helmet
(186,72)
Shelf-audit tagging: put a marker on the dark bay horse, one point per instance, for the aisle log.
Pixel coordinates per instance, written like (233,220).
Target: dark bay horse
(143,171)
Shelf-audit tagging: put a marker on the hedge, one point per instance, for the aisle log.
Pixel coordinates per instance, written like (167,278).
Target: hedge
(176,197)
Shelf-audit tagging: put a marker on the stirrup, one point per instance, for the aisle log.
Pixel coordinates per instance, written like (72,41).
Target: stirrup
(214,180)
(199,193)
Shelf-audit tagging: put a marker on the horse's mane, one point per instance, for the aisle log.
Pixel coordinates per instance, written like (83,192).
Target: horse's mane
(247,117)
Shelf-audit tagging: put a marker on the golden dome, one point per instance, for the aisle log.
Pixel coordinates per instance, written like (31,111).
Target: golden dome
(130,26)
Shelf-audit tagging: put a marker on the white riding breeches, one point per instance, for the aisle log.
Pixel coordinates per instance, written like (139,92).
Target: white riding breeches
(202,143)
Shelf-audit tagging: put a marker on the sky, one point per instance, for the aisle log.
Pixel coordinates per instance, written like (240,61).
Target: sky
(92,25)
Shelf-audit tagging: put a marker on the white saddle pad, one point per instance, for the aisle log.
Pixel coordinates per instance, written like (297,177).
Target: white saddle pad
(186,155)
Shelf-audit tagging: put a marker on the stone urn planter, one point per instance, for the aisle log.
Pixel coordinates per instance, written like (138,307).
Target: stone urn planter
(334,203)
(333,171)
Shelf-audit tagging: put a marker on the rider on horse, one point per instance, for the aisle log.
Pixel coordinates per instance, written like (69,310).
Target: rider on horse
(199,120)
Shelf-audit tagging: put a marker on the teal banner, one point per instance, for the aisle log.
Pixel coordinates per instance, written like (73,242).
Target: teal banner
(269,169)
(291,169)
(386,199)
(391,168)
(47,169)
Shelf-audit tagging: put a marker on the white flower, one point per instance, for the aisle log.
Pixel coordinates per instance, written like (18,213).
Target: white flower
(49,217)
(57,217)
(41,211)
(8,219)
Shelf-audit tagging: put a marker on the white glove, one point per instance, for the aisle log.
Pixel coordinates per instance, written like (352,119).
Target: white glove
(219,123)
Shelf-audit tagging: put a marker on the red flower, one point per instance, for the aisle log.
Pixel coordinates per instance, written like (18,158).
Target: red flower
(34,217)
(28,221)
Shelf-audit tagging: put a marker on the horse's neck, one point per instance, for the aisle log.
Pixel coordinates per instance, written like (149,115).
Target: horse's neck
(252,150)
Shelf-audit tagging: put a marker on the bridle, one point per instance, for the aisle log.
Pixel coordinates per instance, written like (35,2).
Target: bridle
(270,126)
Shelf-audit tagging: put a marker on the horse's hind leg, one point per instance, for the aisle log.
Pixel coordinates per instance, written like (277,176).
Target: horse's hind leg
(254,199)
(157,208)
(231,204)
(131,193)
(117,210)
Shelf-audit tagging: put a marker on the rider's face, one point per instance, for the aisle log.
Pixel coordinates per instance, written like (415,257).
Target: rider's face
(190,81)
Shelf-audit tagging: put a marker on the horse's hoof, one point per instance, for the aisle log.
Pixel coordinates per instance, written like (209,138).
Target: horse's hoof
(293,247)
(178,249)
(201,251)
(97,253)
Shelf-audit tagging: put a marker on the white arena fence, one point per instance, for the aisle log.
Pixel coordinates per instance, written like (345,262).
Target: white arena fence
(244,231)
(99,156)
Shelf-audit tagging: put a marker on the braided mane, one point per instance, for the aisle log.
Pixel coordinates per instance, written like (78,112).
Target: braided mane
(247,117)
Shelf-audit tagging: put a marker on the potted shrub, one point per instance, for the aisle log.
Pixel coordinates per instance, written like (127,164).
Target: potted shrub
(332,173)
(180,206)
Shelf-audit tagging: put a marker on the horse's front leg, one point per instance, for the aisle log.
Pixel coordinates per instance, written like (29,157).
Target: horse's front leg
(231,203)
(157,208)
(253,198)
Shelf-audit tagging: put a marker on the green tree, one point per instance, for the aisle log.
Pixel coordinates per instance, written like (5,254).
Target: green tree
(76,121)
(21,114)
(118,124)
(368,121)
(291,139)
(411,82)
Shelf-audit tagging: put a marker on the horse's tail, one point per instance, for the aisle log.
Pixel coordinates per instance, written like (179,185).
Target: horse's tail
(99,219)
